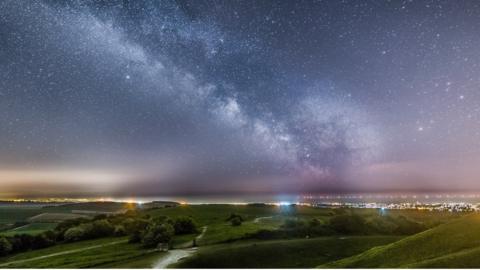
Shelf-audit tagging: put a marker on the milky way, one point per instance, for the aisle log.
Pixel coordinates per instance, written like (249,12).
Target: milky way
(222,97)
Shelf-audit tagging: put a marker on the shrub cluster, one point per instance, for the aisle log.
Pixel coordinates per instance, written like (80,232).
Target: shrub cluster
(150,232)
(235,219)
(342,223)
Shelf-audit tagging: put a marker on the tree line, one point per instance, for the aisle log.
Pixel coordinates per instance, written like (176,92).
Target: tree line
(149,232)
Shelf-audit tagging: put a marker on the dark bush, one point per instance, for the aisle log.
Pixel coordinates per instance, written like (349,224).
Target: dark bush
(21,242)
(134,225)
(63,226)
(236,221)
(5,246)
(120,231)
(101,228)
(184,225)
(74,234)
(233,215)
(157,234)
(42,241)
(136,237)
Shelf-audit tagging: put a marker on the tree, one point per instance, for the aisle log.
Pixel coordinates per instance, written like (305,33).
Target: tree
(136,225)
(314,222)
(41,241)
(25,241)
(50,235)
(120,231)
(74,234)
(233,215)
(101,228)
(5,246)
(157,234)
(236,221)
(184,225)
(136,237)
(70,223)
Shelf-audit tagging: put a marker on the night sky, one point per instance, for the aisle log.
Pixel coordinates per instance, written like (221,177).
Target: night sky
(147,98)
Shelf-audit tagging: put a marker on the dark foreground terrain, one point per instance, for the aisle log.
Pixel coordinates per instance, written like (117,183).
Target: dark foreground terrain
(120,235)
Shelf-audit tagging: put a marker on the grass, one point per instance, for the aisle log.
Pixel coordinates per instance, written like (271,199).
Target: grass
(122,252)
(59,248)
(219,230)
(12,214)
(225,232)
(469,258)
(32,229)
(451,244)
(209,214)
(298,253)
(224,245)
(183,240)
(110,251)
(54,217)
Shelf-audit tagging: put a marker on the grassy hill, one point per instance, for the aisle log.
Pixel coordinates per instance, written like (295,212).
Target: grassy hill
(103,253)
(32,228)
(292,253)
(454,244)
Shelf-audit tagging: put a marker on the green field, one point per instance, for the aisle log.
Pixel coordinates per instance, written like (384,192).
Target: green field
(455,244)
(32,228)
(35,219)
(215,213)
(53,217)
(449,242)
(298,253)
(12,214)
(85,254)
(219,230)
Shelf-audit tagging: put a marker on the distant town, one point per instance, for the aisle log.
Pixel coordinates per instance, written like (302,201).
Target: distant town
(383,202)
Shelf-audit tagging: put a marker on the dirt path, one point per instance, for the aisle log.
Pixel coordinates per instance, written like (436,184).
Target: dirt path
(204,230)
(61,253)
(258,219)
(174,255)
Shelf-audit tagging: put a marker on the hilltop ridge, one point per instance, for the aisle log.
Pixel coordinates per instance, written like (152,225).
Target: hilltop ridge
(454,244)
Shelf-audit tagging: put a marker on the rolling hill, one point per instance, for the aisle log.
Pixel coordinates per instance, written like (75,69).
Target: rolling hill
(285,253)
(454,244)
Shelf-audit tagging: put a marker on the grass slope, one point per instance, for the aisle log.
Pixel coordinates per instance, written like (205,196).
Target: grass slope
(102,253)
(455,244)
(219,230)
(297,253)
(12,214)
(206,214)
(33,229)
